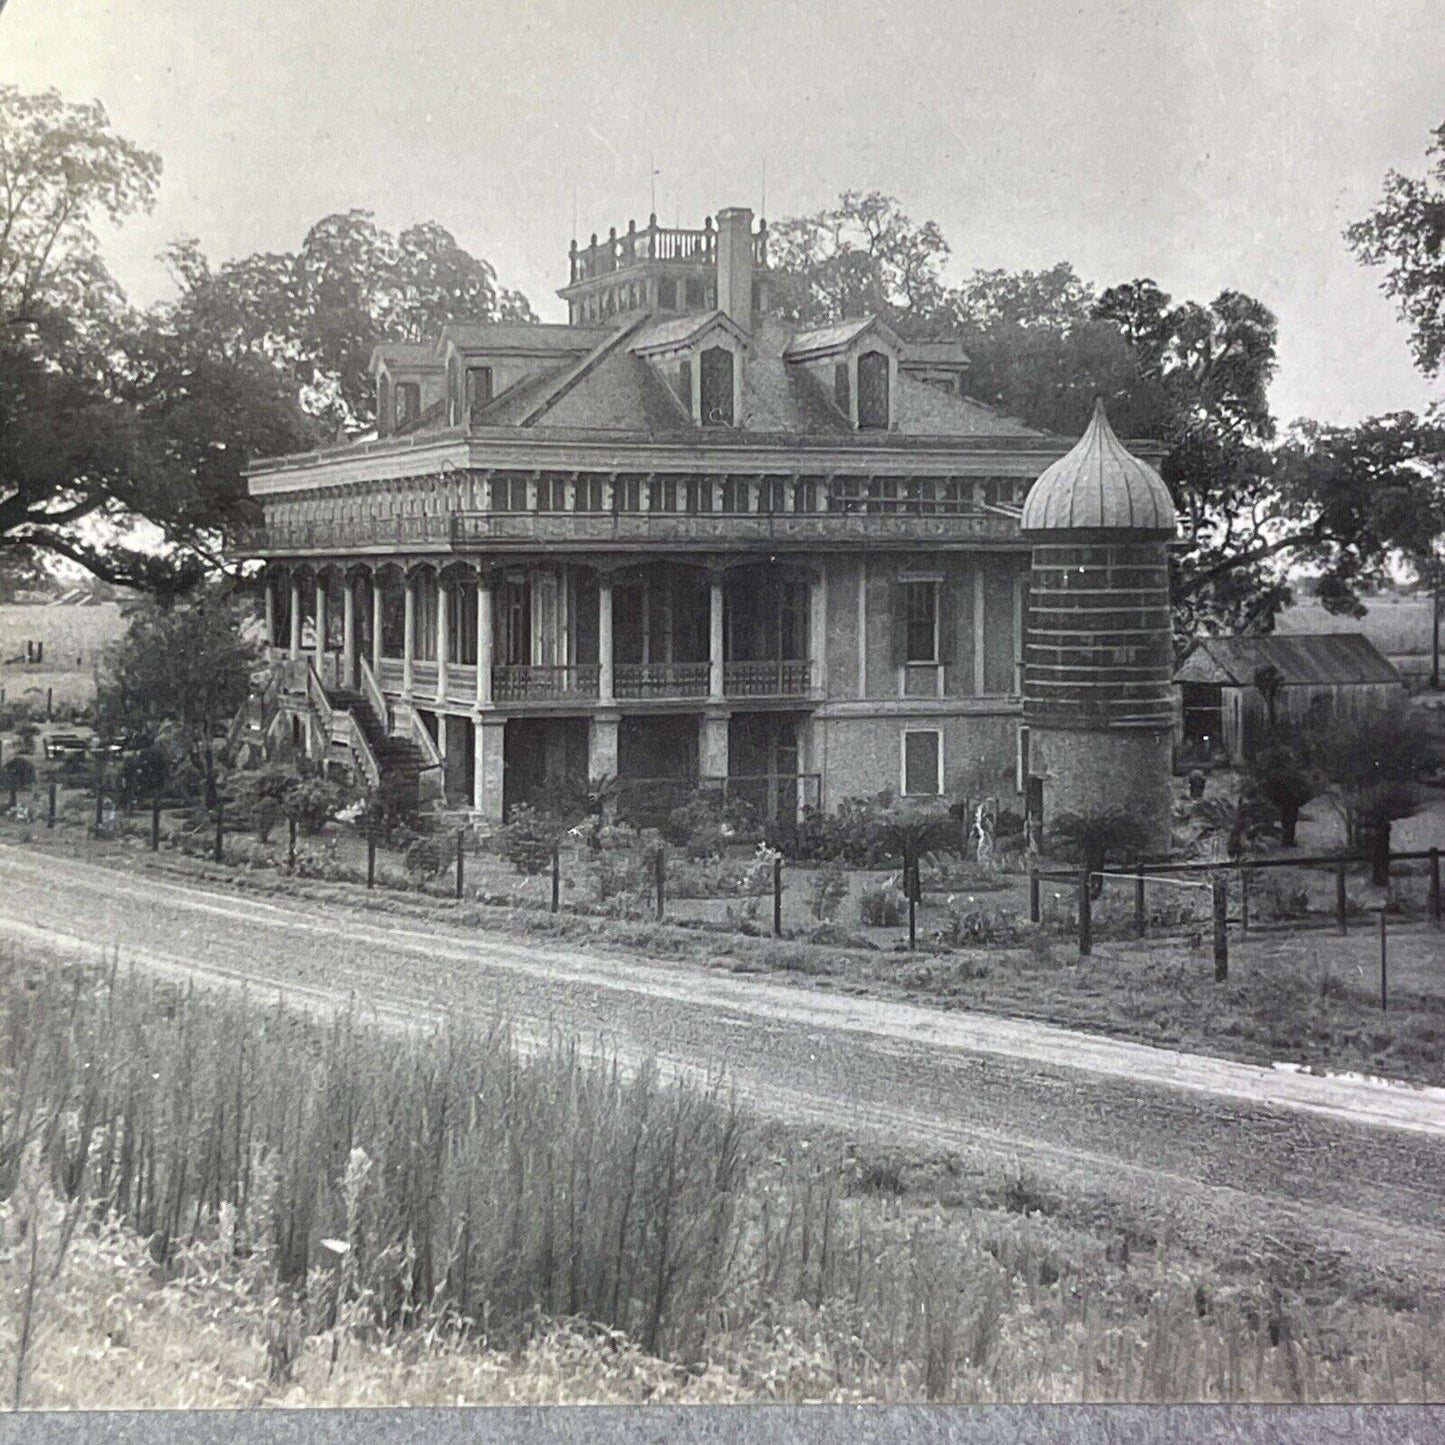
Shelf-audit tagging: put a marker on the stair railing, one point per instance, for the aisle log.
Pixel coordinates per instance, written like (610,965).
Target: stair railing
(376,699)
(316,696)
(365,758)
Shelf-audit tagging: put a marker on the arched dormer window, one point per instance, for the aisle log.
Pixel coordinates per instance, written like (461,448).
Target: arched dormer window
(454,391)
(874,413)
(717,387)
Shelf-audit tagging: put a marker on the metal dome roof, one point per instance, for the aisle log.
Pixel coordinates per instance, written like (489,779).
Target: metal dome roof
(1099,486)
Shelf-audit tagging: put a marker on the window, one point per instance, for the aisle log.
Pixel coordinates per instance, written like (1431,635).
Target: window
(873,410)
(588,496)
(552,494)
(922,763)
(408,402)
(842,390)
(627,494)
(662,495)
(920,614)
(479,388)
(667,295)
(771,494)
(717,387)
(384,413)
(694,295)
(454,391)
(509,494)
(699,494)
(735,494)
(424,619)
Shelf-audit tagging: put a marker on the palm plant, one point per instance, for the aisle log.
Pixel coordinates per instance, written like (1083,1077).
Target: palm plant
(1097,837)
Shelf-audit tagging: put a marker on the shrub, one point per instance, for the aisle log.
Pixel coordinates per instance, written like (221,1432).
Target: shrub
(883,907)
(314,802)
(18,773)
(527,839)
(261,797)
(826,891)
(25,735)
(426,858)
(970,924)
(699,826)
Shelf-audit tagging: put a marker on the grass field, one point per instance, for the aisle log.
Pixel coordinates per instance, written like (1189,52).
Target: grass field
(207,1200)
(74,640)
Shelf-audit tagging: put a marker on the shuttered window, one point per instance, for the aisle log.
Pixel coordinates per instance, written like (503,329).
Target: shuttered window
(922,763)
(873,409)
(717,387)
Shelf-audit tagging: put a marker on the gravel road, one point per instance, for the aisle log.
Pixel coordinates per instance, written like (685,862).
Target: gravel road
(1222,1150)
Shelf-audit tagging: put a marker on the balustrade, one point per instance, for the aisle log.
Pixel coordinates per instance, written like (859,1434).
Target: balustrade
(543,684)
(660,679)
(788,677)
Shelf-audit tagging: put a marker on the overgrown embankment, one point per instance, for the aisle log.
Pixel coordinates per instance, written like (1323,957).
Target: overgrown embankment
(331,1197)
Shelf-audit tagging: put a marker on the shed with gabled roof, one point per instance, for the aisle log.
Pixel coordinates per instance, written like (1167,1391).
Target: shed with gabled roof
(1232,688)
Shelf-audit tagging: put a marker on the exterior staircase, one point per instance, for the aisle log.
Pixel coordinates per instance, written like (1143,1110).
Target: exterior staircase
(400,760)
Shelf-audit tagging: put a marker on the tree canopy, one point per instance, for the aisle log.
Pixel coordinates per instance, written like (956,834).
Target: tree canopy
(124,435)
(1193,375)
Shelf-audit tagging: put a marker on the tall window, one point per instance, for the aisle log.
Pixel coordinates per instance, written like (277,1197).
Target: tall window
(479,388)
(920,606)
(922,762)
(454,391)
(873,413)
(717,387)
(384,412)
(588,496)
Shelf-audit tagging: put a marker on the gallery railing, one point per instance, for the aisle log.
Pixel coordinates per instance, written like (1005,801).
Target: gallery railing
(545,684)
(660,679)
(784,678)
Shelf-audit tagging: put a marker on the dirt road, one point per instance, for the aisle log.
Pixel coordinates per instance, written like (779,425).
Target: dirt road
(1223,1150)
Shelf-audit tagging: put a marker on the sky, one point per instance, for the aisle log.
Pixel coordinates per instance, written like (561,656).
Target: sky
(1203,143)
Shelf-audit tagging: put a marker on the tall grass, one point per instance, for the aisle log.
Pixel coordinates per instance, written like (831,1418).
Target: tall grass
(379,1182)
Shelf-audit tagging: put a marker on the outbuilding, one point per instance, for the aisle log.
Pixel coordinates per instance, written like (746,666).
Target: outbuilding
(1231,687)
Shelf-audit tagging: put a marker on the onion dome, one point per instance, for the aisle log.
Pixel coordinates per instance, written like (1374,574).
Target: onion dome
(1099,486)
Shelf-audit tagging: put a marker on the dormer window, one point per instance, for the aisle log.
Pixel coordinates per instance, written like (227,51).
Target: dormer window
(873,400)
(454,391)
(383,405)
(408,402)
(717,387)
(479,388)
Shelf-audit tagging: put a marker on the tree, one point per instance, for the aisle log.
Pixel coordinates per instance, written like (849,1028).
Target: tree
(316,314)
(1280,773)
(1372,759)
(186,665)
(1097,837)
(1405,234)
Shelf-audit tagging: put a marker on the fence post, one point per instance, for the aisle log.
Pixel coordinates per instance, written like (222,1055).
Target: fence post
(1140,921)
(156,824)
(1341,921)
(1221,930)
(1243,902)
(461,866)
(778,896)
(556,877)
(1435,886)
(291,844)
(49,704)
(220,828)
(1384,991)
(910,884)
(660,867)
(99,797)
(1035,913)
(1086,916)
(50,816)
(371,859)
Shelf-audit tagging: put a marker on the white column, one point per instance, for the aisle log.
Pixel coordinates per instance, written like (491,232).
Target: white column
(320,639)
(295,648)
(375,625)
(604,638)
(487,769)
(444,622)
(484,642)
(408,650)
(348,633)
(715,639)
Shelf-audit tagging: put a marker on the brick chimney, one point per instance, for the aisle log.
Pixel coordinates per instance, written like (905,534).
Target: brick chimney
(735,264)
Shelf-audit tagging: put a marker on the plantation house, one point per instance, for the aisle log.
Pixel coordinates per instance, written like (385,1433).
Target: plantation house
(674,541)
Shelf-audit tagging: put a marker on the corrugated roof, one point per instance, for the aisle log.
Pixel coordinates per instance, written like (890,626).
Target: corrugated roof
(1322,659)
(1099,485)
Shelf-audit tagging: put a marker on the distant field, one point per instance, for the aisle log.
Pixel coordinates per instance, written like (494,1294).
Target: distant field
(1398,628)
(74,639)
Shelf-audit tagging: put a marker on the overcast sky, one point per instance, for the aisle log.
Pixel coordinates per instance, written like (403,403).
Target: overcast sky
(1205,143)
